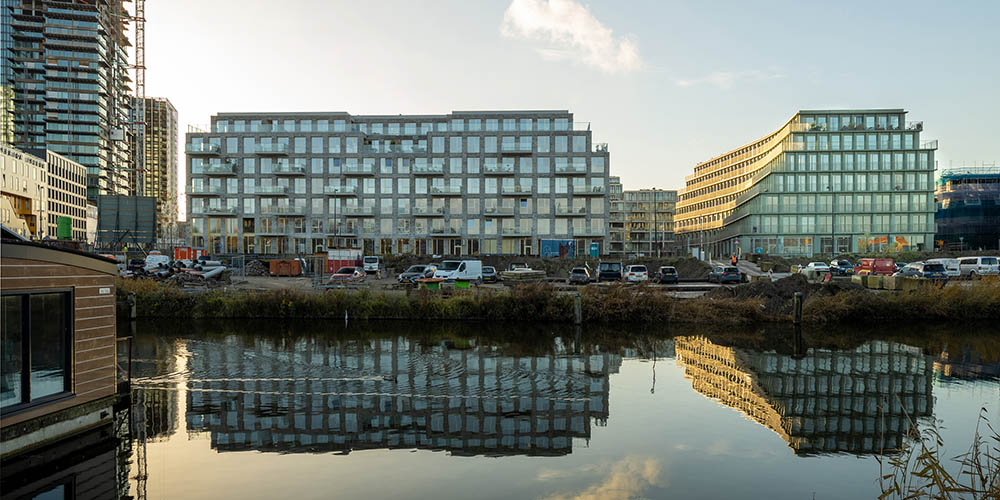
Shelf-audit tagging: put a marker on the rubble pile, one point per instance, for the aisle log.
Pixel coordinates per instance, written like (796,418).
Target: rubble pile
(777,295)
(257,268)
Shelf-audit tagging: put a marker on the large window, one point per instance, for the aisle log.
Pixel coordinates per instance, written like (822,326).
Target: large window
(36,340)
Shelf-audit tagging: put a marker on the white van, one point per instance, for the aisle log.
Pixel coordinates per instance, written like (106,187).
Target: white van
(950,266)
(978,266)
(372,264)
(154,259)
(451,270)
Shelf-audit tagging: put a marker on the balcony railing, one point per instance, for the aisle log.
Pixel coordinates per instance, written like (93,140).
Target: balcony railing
(283,210)
(581,212)
(271,189)
(202,149)
(516,190)
(221,211)
(358,210)
(273,148)
(427,169)
(286,169)
(592,191)
(929,144)
(220,169)
(570,169)
(498,170)
(498,211)
(274,231)
(204,190)
(515,149)
(394,148)
(445,190)
(358,170)
(513,231)
(340,190)
(438,231)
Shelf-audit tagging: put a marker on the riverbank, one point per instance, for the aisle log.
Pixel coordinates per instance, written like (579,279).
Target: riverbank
(749,304)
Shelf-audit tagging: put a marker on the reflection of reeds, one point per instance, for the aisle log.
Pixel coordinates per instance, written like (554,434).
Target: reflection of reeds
(917,469)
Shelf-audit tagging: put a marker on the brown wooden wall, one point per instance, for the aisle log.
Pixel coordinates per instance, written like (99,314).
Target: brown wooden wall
(93,329)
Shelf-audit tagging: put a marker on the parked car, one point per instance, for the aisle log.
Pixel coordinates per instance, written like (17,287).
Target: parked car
(490,275)
(636,273)
(514,266)
(929,270)
(451,270)
(348,275)
(578,276)
(819,267)
(871,266)
(973,267)
(667,274)
(411,273)
(951,266)
(372,264)
(609,271)
(841,267)
(725,274)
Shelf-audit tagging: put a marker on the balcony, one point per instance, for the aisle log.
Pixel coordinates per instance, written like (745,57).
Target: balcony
(498,170)
(427,169)
(394,149)
(593,191)
(274,231)
(499,211)
(601,233)
(515,191)
(343,230)
(204,190)
(358,170)
(515,150)
(340,190)
(358,211)
(445,231)
(570,170)
(202,149)
(271,149)
(446,191)
(282,210)
(513,231)
(271,190)
(929,144)
(230,212)
(220,169)
(286,169)
(572,212)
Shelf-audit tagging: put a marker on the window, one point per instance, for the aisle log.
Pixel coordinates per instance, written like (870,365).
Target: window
(36,338)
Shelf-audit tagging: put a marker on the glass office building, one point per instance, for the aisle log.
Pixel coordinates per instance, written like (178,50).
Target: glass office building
(968,208)
(465,183)
(826,181)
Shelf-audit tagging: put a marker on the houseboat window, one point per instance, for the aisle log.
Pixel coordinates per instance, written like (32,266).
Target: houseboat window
(36,347)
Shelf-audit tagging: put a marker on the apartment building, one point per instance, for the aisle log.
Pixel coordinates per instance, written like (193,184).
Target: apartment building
(826,181)
(642,221)
(65,78)
(67,197)
(464,183)
(156,175)
(968,207)
(24,189)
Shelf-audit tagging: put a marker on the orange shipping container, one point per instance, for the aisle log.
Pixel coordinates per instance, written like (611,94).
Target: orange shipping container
(285,267)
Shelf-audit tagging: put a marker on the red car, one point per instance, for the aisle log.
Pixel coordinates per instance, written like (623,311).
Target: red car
(885,267)
(348,275)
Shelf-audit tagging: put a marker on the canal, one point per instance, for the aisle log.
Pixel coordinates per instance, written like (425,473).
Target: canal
(408,410)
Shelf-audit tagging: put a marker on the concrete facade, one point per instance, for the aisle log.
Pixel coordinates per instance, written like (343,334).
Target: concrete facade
(25,193)
(642,221)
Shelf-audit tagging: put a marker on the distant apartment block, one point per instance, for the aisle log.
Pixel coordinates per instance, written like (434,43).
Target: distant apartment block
(825,182)
(465,183)
(642,221)
(968,207)
(25,192)
(67,197)
(65,85)
(156,174)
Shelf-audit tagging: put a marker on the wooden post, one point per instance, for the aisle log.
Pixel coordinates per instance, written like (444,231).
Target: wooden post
(577,309)
(798,308)
(131,306)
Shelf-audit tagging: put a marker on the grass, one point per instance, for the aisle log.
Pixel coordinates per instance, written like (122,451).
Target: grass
(978,301)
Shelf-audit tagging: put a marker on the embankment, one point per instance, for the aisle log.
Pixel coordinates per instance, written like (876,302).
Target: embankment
(747,304)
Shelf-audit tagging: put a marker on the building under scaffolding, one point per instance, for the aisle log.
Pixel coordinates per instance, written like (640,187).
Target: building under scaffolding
(968,208)
(126,222)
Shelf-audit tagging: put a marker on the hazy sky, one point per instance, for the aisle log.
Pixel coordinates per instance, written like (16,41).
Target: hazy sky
(667,84)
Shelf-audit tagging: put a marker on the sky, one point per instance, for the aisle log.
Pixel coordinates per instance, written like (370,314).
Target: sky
(666,84)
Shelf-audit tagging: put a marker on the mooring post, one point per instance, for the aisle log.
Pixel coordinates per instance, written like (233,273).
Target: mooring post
(577,309)
(798,308)
(131,306)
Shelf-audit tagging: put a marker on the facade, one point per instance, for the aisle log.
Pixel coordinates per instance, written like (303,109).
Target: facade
(825,182)
(642,222)
(66,67)
(91,223)
(465,183)
(59,373)
(156,176)
(25,193)
(67,196)
(968,208)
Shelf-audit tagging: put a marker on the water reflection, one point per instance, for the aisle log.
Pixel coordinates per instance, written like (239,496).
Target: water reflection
(857,400)
(314,395)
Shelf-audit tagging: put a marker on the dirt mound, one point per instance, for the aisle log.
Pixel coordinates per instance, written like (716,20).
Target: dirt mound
(778,295)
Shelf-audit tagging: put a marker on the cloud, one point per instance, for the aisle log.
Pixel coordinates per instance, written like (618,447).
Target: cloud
(726,79)
(628,478)
(570,32)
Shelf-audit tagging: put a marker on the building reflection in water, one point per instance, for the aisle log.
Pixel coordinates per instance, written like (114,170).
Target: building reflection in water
(856,401)
(312,396)
(966,362)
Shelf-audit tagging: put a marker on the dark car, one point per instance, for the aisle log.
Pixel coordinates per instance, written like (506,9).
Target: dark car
(411,273)
(931,271)
(609,271)
(490,275)
(725,274)
(579,276)
(840,267)
(666,274)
